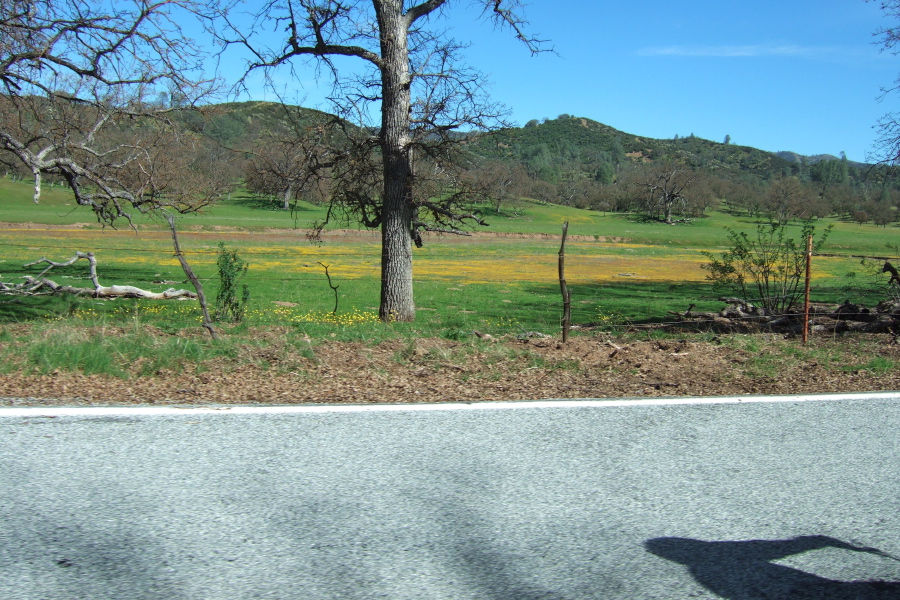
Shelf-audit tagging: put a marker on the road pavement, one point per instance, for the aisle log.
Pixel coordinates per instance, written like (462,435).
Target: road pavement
(737,498)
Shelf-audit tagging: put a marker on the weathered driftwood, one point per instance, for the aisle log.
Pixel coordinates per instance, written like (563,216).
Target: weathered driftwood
(895,274)
(32,286)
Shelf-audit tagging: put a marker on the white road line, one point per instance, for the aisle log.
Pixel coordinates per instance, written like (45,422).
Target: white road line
(94,411)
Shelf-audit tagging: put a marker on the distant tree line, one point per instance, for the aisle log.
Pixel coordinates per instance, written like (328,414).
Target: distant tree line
(286,154)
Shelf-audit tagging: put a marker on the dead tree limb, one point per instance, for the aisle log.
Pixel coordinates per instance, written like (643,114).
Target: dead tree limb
(37,285)
(332,286)
(34,287)
(207,322)
(89,256)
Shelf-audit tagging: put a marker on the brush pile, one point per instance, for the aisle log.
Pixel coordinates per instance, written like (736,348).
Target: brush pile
(739,315)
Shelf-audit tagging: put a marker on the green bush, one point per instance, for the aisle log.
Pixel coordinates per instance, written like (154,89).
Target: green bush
(232,269)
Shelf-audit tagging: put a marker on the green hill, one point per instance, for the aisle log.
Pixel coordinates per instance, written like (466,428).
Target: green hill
(235,124)
(553,150)
(550,148)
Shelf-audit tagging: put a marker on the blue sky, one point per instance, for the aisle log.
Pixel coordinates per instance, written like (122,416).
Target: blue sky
(799,75)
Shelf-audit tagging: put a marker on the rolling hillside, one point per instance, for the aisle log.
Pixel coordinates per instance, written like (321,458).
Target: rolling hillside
(548,149)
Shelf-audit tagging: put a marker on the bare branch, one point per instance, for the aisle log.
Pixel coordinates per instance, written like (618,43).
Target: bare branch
(508,13)
(73,71)
(89,256)
(418,11)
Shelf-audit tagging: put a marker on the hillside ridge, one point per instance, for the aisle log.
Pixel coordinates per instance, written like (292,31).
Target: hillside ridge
(574,139)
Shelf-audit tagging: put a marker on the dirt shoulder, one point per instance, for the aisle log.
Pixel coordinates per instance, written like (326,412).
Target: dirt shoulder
(438,370)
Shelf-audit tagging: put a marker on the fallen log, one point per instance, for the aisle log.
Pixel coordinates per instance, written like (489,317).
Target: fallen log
(739,316)
(36,285)
(880,324)
(106,291)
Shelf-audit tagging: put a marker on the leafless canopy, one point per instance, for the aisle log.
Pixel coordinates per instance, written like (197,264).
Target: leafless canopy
(887,146)
(665,188)
(446,99)
(75,77)
(295,160)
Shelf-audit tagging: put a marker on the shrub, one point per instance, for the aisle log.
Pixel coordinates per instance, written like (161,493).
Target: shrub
(769,265)
(230,308)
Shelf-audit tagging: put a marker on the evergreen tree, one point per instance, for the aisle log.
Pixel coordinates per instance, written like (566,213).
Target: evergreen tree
(606,173)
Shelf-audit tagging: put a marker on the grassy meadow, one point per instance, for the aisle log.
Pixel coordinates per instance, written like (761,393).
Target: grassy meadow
(503,280)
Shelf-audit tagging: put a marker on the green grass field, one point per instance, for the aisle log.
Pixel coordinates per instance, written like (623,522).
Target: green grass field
(620,270)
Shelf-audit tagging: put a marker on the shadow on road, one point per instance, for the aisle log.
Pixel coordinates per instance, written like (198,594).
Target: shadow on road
(743,570)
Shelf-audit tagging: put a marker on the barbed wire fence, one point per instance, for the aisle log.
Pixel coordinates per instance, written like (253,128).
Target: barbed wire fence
(587,296)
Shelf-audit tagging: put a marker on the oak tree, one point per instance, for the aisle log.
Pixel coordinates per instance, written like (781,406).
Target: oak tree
(664,189)
(290,162)
(888,143)
(396,172)
(787,198)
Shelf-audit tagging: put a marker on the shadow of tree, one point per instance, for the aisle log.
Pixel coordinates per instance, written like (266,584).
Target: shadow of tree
(743,570)
(19,310)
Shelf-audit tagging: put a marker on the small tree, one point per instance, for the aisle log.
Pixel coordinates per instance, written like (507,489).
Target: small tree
(232,269)
(769,266)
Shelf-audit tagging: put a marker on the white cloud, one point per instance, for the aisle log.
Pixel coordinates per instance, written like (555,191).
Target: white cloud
(753,50)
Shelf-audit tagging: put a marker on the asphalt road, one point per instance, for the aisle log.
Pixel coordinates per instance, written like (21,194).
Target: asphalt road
(668,501)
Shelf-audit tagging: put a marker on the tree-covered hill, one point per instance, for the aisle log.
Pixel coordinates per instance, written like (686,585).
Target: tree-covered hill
(576,161)
(240,125)
(551,150)
(554,146)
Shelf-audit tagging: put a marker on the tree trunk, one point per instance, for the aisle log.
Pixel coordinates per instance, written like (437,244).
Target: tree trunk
(396,229)
(667,211)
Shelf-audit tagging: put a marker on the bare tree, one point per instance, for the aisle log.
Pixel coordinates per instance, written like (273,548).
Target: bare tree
(664,189)
(745,194)
(787,198)
(888,143)
(542,191)
(75,77)
(425,98)
(287,163)
(500,182)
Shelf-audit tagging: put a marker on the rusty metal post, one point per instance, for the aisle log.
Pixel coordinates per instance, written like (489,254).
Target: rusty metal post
(809,241)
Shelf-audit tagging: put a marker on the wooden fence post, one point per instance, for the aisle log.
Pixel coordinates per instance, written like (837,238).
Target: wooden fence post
(566,295)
